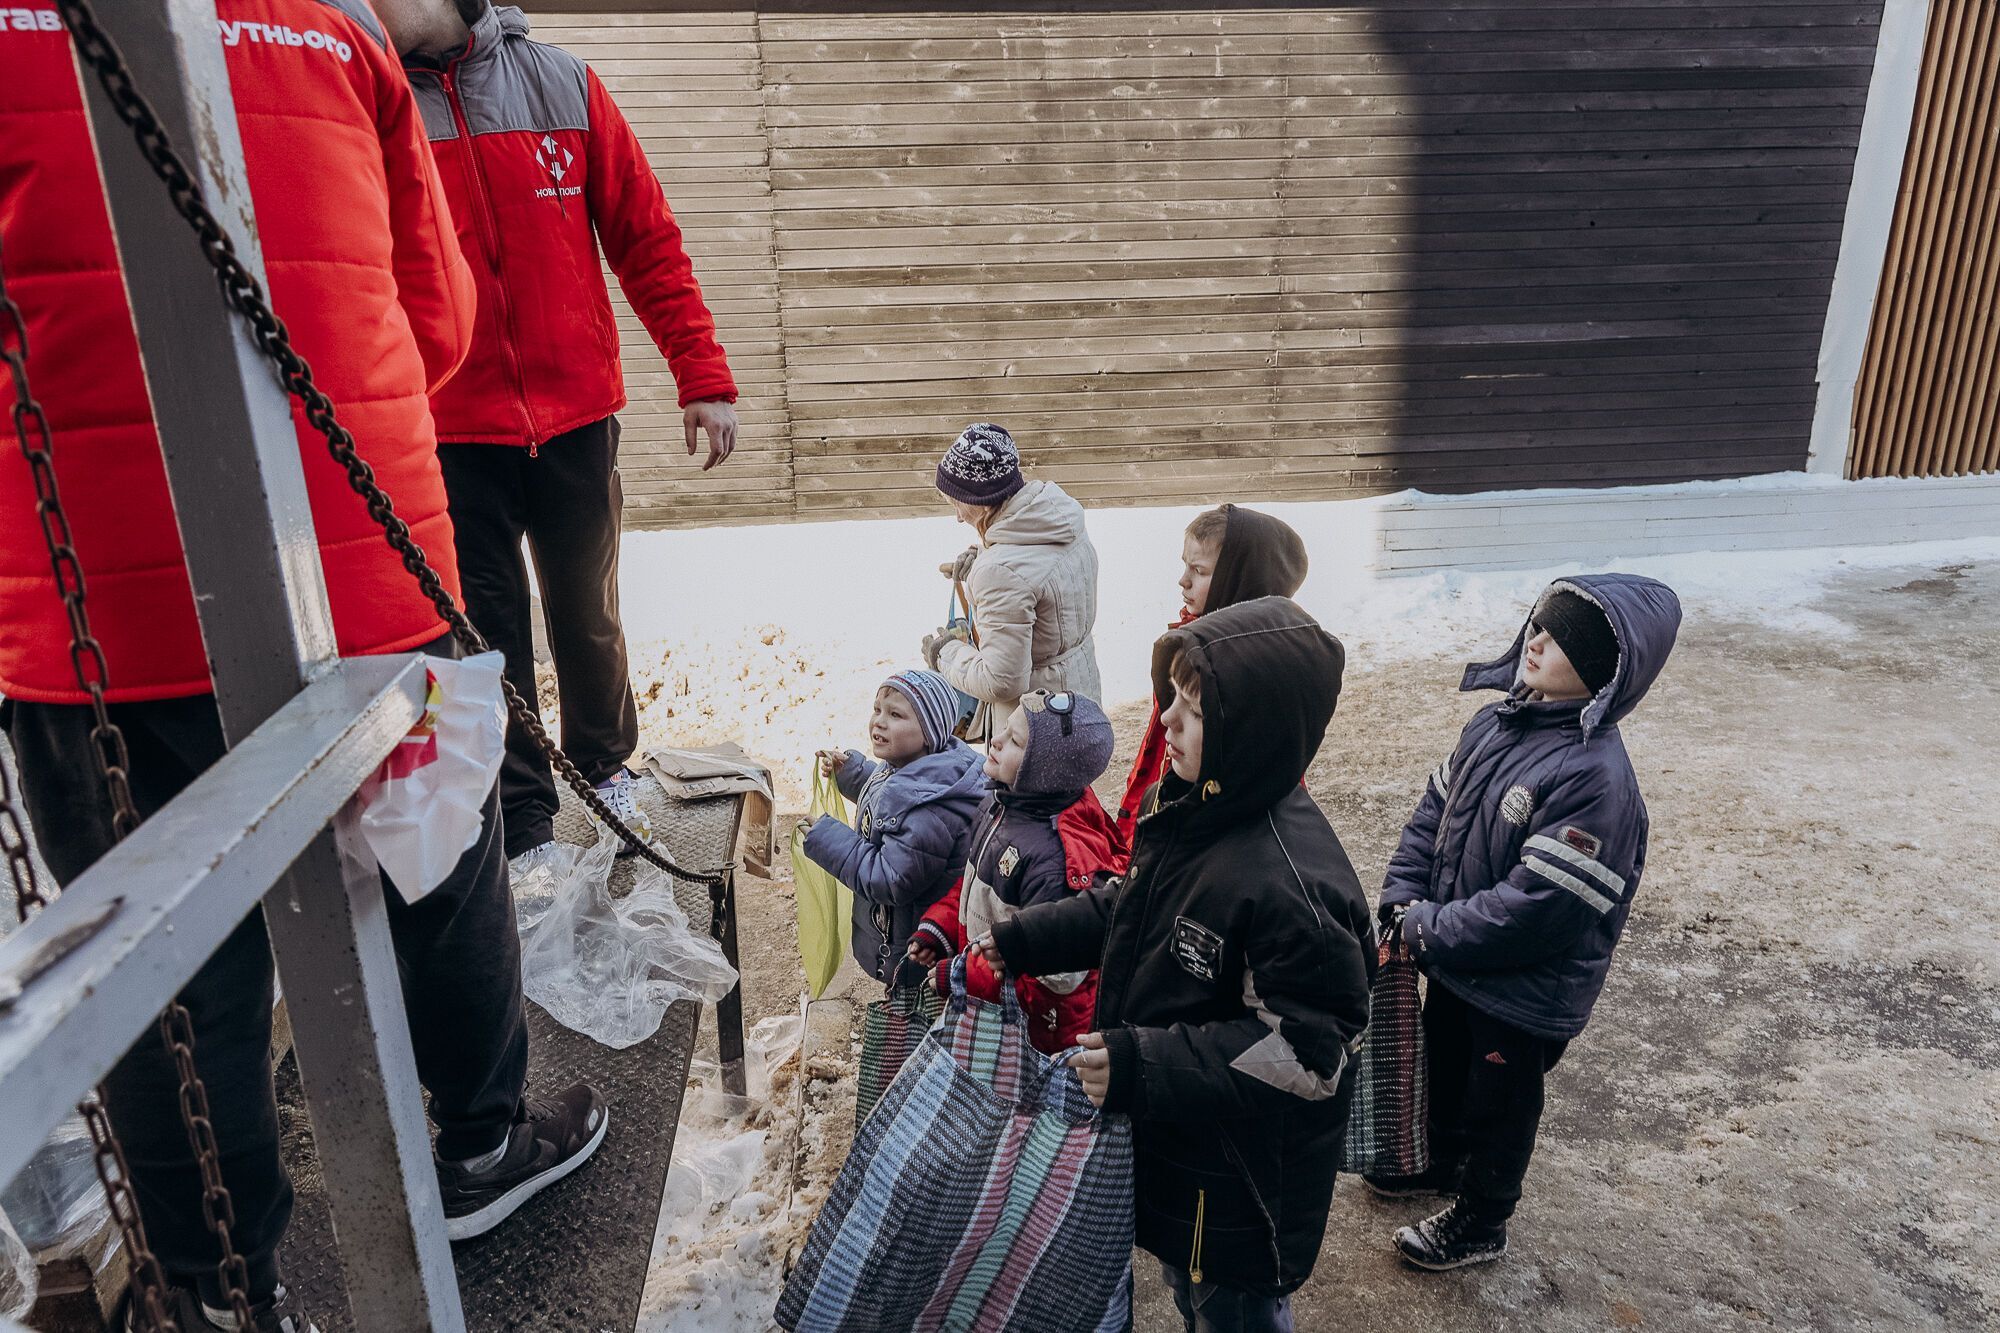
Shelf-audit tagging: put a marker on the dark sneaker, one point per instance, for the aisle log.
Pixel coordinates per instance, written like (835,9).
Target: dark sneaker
(280,1314)
(1453,1238)
(1441,1179)
(551,1138)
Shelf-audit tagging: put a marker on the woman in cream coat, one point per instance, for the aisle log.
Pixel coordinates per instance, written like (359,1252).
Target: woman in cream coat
(1032,581)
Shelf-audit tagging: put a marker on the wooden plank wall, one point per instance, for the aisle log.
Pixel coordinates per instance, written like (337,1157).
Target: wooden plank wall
(1297,252)
(692,85)
(1928,402)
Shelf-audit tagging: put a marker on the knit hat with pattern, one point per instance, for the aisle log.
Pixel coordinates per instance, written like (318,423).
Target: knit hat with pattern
(982,467)
(1069,743)
(936,703)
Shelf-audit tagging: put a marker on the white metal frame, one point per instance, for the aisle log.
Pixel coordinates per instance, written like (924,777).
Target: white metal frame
(275,819)
(1864,236)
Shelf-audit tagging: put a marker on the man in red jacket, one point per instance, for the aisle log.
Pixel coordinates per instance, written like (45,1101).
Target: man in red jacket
(364,268)
(541,168)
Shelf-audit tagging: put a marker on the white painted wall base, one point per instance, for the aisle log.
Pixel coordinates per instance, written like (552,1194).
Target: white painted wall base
(1419,533)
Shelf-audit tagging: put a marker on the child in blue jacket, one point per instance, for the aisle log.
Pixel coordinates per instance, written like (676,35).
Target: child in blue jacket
(913,813)
(1511,888)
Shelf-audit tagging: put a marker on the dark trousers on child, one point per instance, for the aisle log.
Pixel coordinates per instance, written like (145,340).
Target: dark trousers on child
(460,961)
(566,498)
(1211,1307)
(1486,1098)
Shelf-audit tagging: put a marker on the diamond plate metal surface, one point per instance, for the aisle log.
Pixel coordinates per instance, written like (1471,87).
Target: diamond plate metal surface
(574,1258)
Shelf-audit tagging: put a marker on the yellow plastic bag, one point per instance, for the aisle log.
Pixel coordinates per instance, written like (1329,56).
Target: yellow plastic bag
(825,905)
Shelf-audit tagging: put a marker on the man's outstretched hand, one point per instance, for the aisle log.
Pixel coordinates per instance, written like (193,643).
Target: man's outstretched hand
(719,420)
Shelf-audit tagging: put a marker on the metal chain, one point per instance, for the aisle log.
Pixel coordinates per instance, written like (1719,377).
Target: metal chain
(28,895)
(149,1284)
(31,430)
(245,296)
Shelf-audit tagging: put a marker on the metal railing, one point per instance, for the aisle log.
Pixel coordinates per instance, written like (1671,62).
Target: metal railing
(275,820)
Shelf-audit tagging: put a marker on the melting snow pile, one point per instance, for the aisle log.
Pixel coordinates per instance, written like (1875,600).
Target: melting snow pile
(776,636)
(748,1176)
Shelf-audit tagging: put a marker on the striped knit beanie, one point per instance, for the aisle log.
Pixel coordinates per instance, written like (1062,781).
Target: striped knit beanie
(982,467)
(936,703)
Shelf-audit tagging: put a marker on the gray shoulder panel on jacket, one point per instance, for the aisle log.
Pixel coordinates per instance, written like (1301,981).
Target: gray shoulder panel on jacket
(359,11)
(439,123)
(528,86)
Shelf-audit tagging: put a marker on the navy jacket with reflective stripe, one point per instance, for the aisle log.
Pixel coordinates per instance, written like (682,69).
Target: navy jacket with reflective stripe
(1520,863)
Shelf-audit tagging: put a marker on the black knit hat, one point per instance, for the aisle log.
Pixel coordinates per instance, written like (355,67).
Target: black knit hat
(982,467)
(1580,629)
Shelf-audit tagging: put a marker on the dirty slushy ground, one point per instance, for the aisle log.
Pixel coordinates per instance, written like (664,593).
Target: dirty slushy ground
(1786,1112)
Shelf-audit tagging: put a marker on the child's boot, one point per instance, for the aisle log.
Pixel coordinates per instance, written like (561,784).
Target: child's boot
(1454,1238)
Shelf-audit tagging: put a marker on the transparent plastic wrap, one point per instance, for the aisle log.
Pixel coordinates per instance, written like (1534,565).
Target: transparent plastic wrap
(56,1205)
(609,967)
(17,1273)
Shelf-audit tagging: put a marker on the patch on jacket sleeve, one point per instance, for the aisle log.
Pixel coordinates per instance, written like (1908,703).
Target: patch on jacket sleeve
(1587,843)
(1517,807)
(1197,948)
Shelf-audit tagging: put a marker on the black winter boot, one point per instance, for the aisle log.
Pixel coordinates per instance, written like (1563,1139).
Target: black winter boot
(1454,1238)
(1442,1178)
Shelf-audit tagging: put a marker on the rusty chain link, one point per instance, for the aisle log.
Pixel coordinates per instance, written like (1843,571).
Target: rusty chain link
(31,430)
(28,894)
(149,1284)
(246,297)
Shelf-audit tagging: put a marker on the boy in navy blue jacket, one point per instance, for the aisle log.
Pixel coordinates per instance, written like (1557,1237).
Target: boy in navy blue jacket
(1511,887)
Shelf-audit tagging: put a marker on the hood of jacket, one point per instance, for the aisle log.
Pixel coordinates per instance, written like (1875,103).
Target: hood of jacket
(496,24)
(957,771)
(1041,513)
(1270,678)
(1260,557)
(1644,614)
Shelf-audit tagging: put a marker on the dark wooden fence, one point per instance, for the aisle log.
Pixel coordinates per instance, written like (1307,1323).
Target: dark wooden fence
(1298,252)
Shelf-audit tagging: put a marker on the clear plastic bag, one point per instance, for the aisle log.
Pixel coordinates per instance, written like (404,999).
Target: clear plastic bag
(56,1205)
(606,967)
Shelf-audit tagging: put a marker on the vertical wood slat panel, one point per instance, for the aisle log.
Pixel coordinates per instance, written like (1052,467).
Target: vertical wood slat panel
(1926,403)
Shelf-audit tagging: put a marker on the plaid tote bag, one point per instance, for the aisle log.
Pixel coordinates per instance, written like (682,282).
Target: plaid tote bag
(890,1031)
(1388,1131)
(986,1194)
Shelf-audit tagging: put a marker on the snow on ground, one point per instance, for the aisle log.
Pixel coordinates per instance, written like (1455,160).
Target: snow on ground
(776,636)
(1782,1114)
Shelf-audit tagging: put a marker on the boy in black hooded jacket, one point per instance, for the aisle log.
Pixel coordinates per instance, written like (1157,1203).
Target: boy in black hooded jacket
(1236,958)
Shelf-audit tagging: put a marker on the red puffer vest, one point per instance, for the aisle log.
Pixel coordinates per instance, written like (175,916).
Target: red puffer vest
(364,270)
(540,165)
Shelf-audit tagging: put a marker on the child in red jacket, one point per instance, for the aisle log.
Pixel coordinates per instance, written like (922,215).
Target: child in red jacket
(1229,555)
(1040,835)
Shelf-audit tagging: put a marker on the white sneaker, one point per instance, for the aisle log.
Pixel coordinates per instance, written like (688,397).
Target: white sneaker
(528,862)
(621,794)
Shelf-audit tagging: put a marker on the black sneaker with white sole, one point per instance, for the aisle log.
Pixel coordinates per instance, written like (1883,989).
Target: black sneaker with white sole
(1453,1238)
(279,1314)
(551,1137)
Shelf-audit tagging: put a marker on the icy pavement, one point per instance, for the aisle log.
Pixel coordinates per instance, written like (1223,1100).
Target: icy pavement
(1784,1114)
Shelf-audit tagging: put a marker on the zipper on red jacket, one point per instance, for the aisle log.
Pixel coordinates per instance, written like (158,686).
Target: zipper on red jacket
(492,228)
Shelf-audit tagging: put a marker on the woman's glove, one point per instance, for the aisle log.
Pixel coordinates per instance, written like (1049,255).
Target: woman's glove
(934,643)
(959,568)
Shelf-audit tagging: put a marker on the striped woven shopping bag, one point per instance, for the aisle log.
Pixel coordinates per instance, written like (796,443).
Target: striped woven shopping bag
(1388,1129)
(891,1028)
(986,1194)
